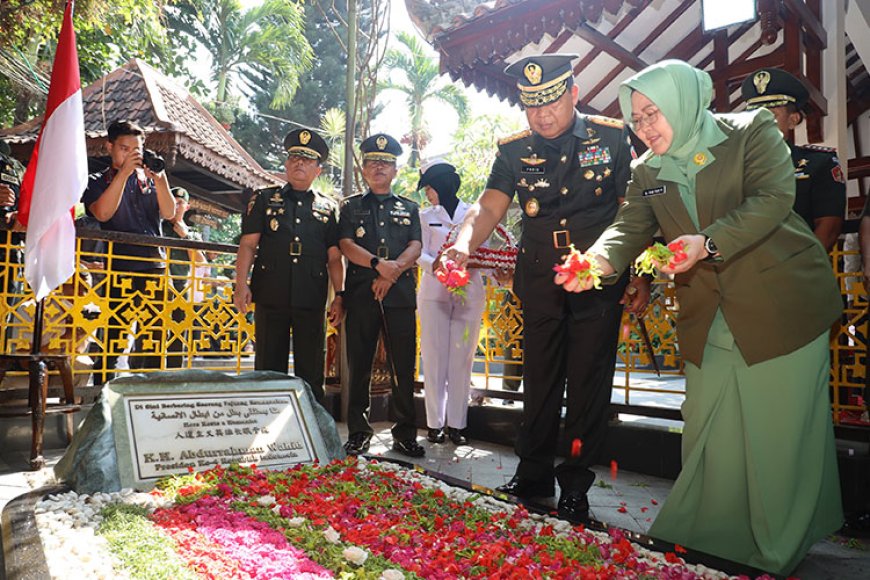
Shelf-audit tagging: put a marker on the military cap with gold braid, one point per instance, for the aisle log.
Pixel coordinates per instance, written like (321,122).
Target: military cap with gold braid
(306,143)
(380,147)
(773,87)
(542,79)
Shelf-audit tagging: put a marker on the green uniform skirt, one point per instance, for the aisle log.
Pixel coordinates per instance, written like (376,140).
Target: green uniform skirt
(759,483)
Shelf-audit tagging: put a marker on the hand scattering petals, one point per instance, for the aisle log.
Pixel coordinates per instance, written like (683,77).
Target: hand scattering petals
(658,256)
(582,266)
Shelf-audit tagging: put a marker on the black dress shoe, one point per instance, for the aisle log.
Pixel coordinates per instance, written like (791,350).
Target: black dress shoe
(456,436)
(409,447)
(358,443)
(435,436)
(574,507)
(520,487)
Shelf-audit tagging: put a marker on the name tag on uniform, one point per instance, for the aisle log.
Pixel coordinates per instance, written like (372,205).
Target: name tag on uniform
(533,169)
(435,225)
(654,191)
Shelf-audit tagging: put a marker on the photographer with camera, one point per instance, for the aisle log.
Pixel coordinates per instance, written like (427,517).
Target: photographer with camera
(131,195)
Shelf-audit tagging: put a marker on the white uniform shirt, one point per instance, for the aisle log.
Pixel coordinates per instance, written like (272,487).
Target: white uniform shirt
(436,224)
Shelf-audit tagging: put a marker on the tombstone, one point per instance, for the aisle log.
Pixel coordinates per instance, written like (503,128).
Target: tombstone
(147,427)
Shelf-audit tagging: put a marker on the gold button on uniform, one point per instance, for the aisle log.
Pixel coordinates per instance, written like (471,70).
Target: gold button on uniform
(598,191)
(562,222)
(564,190)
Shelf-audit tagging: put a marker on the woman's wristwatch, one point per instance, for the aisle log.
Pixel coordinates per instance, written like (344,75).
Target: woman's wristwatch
(712,249)
(374,262)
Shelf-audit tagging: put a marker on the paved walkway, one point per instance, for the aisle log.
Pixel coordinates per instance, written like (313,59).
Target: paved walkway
(630,501)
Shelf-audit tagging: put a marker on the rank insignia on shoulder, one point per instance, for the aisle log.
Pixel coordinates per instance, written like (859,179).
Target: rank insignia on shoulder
(251,203)
(820,148)
(606,121)
(360,232)
(514,137)
(532,207)
(837,174)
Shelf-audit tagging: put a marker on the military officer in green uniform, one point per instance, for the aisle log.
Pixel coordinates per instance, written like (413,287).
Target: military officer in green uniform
(380,236)
(569,172)
(820,196)
(294,234)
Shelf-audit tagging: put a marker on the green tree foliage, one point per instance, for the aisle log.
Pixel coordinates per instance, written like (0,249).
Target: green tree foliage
(108,34)
(249,47)
(410,71)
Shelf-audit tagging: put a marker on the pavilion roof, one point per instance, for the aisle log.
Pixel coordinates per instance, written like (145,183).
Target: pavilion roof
(616,38)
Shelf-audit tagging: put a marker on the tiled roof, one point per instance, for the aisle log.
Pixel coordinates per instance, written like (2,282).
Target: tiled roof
(177,126)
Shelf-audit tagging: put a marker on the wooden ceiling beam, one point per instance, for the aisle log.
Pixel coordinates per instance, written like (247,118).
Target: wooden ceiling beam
(810,22)
(609,46)
(859,167)
(614,32)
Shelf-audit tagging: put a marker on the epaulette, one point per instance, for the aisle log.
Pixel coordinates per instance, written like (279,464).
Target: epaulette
(606,121)
(514,137)
(350,197)
(819,148)
(268,190)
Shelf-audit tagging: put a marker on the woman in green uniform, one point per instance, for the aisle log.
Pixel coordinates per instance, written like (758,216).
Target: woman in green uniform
(757,298)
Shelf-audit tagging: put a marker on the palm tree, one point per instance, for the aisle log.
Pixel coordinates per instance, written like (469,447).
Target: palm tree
(265,42)
(420,85)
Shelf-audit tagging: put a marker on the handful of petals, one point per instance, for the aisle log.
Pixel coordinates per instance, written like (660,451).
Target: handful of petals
(658,256)
(454,278)
(583,266)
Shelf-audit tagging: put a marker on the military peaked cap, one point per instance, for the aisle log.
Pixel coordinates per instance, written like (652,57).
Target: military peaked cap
(543,78)
(773,87)
(306,143)
(380,147)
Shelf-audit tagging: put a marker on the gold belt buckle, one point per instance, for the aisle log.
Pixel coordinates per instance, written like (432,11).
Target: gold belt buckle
(295,248)
(383,252)
(561,239)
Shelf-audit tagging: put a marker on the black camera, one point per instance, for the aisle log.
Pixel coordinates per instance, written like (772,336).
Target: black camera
(9,176)
(153,161)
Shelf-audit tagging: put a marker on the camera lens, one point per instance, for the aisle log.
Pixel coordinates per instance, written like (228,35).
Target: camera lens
(153,161)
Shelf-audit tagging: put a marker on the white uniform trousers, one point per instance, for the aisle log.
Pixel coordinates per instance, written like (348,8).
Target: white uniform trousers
(449,332)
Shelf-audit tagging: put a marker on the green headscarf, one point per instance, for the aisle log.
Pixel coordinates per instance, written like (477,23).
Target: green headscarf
(683,95)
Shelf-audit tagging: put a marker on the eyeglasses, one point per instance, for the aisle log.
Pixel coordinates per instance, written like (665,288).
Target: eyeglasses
(644,120)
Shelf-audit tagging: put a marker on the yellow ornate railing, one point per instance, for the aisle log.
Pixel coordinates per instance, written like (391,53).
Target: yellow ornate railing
(185,318)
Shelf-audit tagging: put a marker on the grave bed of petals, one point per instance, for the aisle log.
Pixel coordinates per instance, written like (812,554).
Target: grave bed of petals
(354,518)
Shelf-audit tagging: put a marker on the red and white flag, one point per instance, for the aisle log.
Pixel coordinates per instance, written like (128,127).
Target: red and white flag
(57,173)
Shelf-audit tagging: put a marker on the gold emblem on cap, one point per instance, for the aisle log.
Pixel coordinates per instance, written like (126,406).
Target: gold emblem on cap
(304,137)
(381,142)
(532,207)
(700,158)
(761,80)
(360,232)
(533,73)
(274,224)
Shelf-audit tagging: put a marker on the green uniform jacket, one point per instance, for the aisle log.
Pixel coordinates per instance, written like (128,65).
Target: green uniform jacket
(296,230)
(774,284)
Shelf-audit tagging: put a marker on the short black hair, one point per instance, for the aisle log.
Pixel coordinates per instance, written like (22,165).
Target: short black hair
(123,127)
